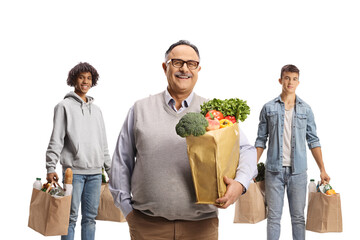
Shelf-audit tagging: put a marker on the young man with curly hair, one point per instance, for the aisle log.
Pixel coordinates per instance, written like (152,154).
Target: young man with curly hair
(79,141)
(287,121)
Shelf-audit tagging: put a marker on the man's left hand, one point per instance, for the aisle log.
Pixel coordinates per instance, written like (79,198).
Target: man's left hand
(233,191)
(324,177)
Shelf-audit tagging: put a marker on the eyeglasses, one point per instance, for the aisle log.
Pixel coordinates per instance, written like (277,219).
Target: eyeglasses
(178,63)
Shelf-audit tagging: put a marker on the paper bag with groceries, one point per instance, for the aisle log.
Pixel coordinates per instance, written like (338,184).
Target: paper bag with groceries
(250,207)
(49,214)
(213,156)
(107,210)
(324,213)
(213,145)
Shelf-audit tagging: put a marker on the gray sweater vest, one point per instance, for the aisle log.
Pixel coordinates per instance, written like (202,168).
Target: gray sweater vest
(161,182)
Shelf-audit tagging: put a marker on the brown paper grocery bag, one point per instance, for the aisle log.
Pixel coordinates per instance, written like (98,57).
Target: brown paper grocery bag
(250,207)
(324,213)
(213,156)
(49,215)
(107,210)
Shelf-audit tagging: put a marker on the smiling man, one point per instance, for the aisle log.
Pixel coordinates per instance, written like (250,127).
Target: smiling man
(79,141)
(287,121)
(151,179)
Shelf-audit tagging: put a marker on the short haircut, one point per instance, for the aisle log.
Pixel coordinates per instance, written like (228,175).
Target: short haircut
(289,68)
(80,68)
(182,42)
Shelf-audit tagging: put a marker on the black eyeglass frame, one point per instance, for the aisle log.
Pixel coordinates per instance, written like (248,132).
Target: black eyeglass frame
(172,63)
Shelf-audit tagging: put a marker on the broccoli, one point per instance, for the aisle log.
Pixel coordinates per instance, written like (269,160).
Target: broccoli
(192,124)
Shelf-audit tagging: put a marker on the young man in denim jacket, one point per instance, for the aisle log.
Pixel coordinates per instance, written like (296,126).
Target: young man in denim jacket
(287,121)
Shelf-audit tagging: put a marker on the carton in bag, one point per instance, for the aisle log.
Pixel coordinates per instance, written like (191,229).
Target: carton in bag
(213,156)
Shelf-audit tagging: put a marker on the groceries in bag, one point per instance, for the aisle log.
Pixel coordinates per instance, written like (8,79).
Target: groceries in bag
(54,188)
(324,210)
(260,178)
(215,114)
(68,182)
(103,177)
(213,145)
(49,209)
(232,109)
(261,172)
(325,188)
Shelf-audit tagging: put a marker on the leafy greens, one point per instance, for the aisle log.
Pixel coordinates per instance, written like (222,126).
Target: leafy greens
(228,107)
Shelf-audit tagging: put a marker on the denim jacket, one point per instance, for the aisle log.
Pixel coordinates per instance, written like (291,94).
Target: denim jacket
(272,125)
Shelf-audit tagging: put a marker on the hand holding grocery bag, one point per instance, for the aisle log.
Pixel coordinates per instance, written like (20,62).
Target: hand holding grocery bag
(233,190)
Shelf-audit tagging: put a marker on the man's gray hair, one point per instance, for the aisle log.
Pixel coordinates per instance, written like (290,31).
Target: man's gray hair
(182,42)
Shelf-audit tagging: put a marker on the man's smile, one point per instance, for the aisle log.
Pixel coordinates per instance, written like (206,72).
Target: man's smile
(183,75)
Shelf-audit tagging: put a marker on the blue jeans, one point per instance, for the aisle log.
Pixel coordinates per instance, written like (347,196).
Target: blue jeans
(295,185)
(86,189)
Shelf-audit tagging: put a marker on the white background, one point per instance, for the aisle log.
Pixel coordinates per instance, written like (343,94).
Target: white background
(243,45)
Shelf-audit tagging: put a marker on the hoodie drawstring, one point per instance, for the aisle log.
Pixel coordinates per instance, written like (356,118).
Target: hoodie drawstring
(84,105)
(82,108)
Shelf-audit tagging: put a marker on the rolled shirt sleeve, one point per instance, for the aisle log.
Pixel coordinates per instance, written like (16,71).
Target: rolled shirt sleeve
(311,136)
(247,168)
(262,134)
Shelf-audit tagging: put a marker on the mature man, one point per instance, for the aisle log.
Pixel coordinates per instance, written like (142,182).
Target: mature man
(162,204)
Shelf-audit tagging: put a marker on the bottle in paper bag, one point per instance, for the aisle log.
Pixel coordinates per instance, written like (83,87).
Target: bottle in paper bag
(37,184)
(312,188)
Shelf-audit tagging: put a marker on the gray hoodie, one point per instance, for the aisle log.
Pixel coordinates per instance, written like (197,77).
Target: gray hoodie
(78,139)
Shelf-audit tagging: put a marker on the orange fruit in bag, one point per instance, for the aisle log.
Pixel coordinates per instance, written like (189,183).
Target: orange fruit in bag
(330,192)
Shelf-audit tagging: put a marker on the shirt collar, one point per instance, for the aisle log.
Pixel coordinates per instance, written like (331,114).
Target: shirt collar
(171,102)
(297,99)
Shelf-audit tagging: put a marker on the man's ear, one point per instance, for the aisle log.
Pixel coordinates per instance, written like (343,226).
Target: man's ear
(280,81)
(199,68)
(164,67)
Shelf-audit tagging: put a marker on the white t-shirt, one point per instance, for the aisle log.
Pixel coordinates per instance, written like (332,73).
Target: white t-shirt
(287,138)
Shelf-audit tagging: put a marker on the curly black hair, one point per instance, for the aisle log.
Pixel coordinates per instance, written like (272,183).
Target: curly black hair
(80,68)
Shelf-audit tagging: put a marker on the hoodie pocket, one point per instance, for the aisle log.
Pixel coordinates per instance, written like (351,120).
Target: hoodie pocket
(89,156)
